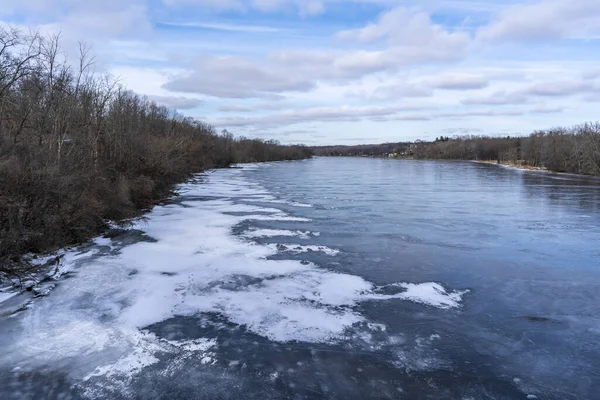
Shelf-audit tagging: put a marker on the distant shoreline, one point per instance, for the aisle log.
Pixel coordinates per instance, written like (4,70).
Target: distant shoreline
(530,168)
(520,166)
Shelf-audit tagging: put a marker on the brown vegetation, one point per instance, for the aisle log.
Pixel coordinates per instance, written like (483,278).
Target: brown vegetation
(77,150)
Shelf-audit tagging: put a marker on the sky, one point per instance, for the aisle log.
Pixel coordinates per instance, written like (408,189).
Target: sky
(343,71)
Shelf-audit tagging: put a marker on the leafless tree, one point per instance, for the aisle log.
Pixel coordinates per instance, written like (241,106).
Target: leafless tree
(77,149)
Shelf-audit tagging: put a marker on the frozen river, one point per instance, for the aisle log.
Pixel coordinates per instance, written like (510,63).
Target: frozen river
(341,278)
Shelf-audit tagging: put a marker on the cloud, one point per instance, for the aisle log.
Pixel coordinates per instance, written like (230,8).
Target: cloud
(408,117)
(300,132)
(235,77)
(87,20)
(462,131)
(401,90)
(302,7)
(458,82)
(547,109)
(313,114)
(227,108)
(215,5)
(354,113)
(256,107)
(412,40)
(334,63)
(403,86)
(558,88)
(480,113)
(291,71)
(545,20)
(592,98)
(355,63)
(452,115)
(591,74)
(523,94)
(130,22)
(178,103)
(411,37)
(497,99)
(224,27)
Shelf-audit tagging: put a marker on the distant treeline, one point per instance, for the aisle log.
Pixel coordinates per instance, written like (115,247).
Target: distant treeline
(77,149)
(372,150)
(574,150)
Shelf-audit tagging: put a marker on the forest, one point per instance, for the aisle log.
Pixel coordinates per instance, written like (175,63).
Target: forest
(574,150)
(78,150)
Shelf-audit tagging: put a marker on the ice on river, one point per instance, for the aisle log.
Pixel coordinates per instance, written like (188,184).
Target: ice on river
(93,323)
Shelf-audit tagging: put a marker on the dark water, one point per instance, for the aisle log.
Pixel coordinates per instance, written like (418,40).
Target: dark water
(525,245)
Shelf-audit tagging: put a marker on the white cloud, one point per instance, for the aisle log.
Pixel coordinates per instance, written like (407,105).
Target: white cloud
(591,74)
(225,27)
(412,37)
(235,77)
(558,88)
(349,113)
(314,114)
(496,99)
(525,92)
(128,22)
(545,20)
(257,107)
(454,115)
(592,98)
(217,5)
(234,108)
(458,82)
(302,7)
(547,109)
(100,24)
(399,91)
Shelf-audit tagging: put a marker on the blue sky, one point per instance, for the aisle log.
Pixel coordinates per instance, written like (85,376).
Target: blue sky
(344,71)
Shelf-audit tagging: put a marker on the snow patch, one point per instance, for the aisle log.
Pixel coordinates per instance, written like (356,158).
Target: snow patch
(145,351)
(116,376)
(297,249)
(432,294)
(277,217)
(429,293)
(7,293)
(268,233)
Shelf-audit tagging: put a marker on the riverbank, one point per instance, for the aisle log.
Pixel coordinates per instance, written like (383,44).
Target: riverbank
(525,167)
(24,266)
(515,165)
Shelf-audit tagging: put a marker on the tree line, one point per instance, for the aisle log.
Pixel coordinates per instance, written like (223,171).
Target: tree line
(363,150)
(574,150)
(77,149)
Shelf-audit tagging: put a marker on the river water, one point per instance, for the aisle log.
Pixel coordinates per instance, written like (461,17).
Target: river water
(341,278)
